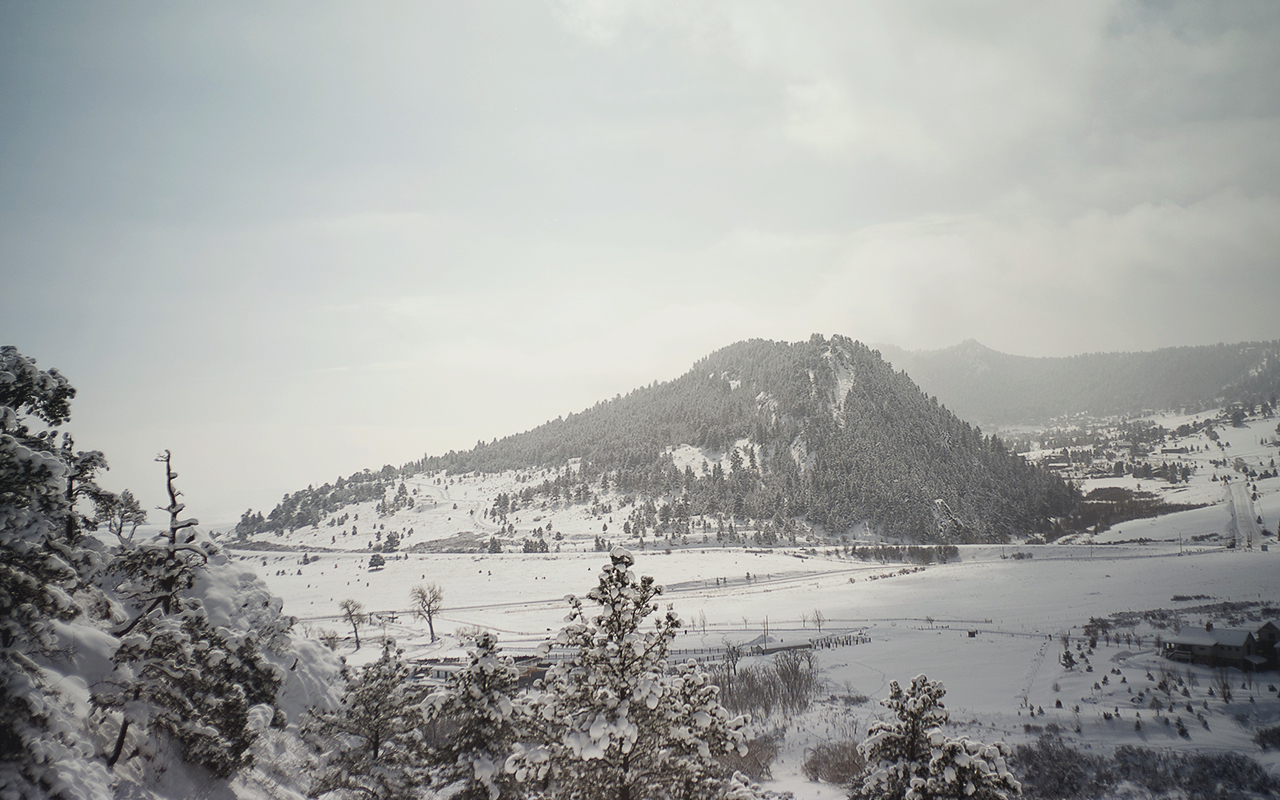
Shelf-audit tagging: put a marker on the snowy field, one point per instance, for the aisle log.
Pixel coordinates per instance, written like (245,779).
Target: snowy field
(988,625)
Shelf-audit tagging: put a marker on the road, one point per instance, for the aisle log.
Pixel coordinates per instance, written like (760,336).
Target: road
(1244,519)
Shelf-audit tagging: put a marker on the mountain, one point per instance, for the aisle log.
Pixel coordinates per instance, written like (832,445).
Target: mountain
(823,433)
(990,387)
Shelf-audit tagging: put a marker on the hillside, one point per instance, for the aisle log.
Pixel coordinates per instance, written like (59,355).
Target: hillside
(990,387)
(820,433)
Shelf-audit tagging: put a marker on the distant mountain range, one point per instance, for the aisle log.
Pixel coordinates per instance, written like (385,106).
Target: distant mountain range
(988,387)
(823,432)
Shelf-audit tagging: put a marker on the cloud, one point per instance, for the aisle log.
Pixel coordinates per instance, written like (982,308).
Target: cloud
(1152,275)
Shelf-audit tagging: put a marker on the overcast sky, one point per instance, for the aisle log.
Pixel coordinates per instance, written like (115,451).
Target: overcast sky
(288,241)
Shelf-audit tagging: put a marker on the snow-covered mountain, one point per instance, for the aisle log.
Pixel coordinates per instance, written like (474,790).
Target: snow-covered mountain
(818,434)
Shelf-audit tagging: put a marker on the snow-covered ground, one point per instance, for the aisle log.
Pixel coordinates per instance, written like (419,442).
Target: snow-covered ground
(987,625)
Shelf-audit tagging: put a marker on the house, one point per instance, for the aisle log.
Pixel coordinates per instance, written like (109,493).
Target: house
(1223,647)
(1268,642)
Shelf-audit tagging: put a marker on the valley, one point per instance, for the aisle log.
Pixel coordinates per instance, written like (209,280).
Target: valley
(988,624)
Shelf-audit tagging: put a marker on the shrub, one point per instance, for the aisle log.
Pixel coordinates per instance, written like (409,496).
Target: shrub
(1199,775)
(329,638)
(757,764)
(788,685)
(1267,738)
(1050,769)
(837,763)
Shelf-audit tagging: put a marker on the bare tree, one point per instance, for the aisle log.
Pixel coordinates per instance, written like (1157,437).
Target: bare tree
(732,655)
(818,619)
(702,621)
(353,613)
(1222,682)
(427,601)
(804,620)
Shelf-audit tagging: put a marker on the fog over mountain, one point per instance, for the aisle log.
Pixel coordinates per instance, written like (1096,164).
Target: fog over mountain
(986,386)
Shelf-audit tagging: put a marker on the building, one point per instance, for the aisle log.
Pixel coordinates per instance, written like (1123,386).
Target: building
(1267,640)
(1225,647)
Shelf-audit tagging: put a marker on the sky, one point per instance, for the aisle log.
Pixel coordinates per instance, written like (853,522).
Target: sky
(291,240)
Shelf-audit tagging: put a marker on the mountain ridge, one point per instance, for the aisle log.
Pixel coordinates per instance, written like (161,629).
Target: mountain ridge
(990,387)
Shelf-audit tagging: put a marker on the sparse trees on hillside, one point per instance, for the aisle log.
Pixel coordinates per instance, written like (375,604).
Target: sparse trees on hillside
(860,463)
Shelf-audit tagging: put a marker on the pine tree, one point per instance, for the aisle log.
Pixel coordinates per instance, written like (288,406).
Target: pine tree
(38,571)
(372,742)
(912,759)
(176,674)
(478,707)
(616,722)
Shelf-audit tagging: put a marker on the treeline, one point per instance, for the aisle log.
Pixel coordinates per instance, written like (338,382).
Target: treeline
(983,384)
(311,505)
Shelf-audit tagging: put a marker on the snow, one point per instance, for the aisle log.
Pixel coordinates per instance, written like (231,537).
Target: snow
(916,623)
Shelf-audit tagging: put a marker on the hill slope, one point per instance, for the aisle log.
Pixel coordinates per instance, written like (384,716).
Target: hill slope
(981,384)
(819,432)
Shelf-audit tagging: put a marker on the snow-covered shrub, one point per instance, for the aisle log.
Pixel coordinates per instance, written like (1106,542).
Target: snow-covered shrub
(911,758)
(1199,775)
(757,762)
(834,762)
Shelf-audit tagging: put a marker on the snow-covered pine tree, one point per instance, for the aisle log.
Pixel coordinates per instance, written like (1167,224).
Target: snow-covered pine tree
(372,743)
(616,723)
(478,707)
(155,573)
(912,759)
(176,673)
(38,576)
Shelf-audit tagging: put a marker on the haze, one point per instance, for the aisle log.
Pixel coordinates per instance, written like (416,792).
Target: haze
(288,241)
